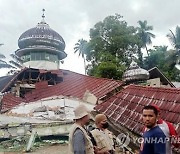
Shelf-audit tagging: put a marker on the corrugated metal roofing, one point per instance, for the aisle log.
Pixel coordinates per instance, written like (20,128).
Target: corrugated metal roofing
(9,101)
(125,108)
(156,73)
(4,81)
(73,84)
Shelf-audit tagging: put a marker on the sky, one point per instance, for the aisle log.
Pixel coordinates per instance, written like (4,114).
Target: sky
(72,19)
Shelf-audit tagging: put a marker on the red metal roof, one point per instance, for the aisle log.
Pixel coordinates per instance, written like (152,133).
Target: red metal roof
(9,101)
(125,108)
(73,84)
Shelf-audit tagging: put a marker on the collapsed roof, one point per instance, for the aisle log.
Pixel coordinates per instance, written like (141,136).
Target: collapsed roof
(125,108)
(30,85)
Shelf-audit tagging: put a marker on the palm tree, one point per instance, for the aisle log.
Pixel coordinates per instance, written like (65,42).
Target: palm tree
(15,64)
(174,38)
(3,63)
(81,47)
(144,34)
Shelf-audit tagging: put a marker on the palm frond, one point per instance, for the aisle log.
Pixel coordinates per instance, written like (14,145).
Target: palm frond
(13,71)
(151,34)
(172,38)
(2,56)
(4,64)
(15,64)
(16,58)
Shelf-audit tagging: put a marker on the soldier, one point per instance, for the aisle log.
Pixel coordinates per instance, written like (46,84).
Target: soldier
(79,141)
(102,136)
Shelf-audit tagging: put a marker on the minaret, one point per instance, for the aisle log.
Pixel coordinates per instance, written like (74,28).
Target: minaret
(41,47)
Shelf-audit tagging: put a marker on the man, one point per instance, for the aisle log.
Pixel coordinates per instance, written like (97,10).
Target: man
(167,127)
(169,131)
(154,140)
(79,141)
(102,136)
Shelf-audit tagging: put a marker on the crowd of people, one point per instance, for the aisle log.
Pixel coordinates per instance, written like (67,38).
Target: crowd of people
(157,134)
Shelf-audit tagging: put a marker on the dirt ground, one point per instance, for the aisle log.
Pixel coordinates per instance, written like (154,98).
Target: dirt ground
(58,149)
(54,149)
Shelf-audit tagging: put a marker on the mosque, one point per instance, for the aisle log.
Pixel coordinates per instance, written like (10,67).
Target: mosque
(42,82)
(41,47)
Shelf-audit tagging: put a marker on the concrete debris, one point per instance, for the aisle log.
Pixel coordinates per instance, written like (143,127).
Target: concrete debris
(50,117)
(40,109)
(14,144)
(31,141)
(52,109)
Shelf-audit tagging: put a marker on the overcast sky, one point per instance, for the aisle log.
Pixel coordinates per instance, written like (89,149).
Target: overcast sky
(72,19)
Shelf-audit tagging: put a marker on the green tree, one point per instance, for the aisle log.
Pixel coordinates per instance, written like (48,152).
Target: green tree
(159,57)
(156,57)
(109,67)
(15,64)
(3,63)
(145,34)
(174,38)
(111,39)
(80,48)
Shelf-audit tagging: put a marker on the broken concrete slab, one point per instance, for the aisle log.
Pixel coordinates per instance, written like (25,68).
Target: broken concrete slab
(31,141)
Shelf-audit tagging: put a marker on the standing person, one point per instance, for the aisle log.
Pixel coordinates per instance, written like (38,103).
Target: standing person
(169,131)
(102,136)
(154,138)
(79,141)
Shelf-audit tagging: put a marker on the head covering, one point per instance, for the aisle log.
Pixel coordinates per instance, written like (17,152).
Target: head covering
(155,106)
(80,111)
(99,118)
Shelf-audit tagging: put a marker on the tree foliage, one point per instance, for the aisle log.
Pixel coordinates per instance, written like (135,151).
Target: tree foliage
(3,63)
(145,34)
(163,59)
(111,46)
(14,65)
(80,48)
(174,38)
(174,56)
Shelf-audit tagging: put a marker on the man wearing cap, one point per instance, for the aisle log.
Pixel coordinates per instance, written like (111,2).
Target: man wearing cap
(102,136)
(79,141)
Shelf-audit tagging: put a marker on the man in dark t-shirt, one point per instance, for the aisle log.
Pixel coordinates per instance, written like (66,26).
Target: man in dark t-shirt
(154,139)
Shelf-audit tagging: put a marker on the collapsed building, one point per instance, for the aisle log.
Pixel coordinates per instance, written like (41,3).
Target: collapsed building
(124,109)
(42,94)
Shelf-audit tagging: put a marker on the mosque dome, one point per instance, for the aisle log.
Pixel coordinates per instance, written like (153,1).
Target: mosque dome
(135,73)
(42,34)
(41,38)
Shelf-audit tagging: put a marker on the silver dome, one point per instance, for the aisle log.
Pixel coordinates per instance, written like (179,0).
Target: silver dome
(135,73)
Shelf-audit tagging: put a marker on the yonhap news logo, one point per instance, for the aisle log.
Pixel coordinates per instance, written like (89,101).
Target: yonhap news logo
(123,140)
